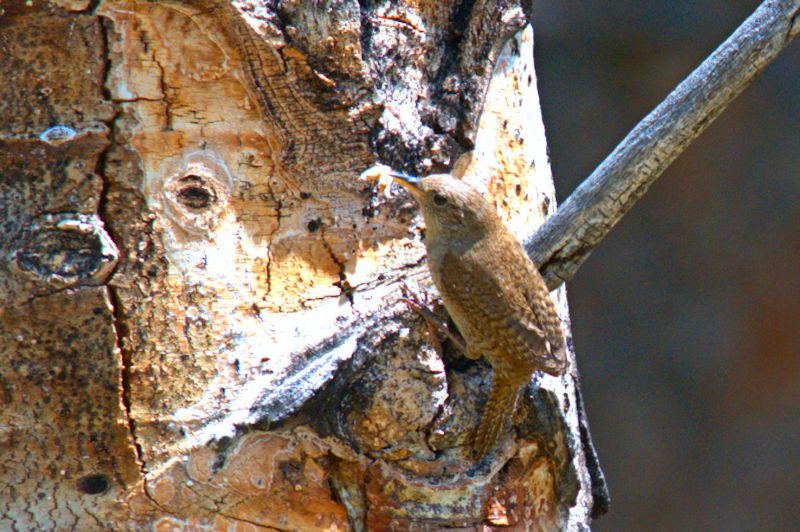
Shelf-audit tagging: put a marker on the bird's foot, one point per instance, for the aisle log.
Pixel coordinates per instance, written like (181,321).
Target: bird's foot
(434,323)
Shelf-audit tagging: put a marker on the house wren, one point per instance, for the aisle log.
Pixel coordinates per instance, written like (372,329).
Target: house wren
(492,291)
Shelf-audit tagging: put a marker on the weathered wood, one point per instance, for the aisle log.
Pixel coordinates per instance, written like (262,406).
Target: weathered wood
(202,325)
(566,240)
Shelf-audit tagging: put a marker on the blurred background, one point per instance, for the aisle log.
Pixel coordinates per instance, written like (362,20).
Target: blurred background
(687,318)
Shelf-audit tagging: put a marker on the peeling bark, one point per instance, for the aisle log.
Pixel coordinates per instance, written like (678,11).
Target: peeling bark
(202,326)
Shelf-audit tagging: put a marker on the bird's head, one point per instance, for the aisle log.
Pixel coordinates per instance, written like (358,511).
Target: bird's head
(450,206)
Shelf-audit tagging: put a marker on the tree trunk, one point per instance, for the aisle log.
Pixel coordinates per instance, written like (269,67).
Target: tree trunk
(202,325)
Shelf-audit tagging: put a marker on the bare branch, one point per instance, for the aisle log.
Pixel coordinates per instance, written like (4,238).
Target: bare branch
(570,235)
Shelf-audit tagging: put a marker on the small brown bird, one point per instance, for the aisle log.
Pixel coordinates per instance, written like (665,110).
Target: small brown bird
(494,293)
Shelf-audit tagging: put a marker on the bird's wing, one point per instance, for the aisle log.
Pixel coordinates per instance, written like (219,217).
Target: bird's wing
(547,319)
(502,317)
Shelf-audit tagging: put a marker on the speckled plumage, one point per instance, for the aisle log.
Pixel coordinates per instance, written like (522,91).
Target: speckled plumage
(493,293)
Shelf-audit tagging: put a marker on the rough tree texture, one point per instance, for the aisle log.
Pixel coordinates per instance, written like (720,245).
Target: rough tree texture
(201,326)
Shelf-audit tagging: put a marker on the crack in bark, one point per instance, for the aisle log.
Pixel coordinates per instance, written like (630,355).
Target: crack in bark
(254,523)
(279,213)
(343,284)
(114,300)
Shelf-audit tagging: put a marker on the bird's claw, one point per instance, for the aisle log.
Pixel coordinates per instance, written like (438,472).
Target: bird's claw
(432,321)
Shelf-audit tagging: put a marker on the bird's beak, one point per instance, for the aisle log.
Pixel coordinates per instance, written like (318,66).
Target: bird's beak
(409,182)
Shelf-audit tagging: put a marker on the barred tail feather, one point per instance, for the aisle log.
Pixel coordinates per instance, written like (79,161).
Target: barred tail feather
(496,417)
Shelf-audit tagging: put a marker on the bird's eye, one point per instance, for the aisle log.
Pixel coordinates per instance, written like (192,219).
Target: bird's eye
(438,199)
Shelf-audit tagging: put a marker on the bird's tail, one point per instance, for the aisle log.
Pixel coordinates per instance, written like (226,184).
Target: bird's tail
(496,417)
